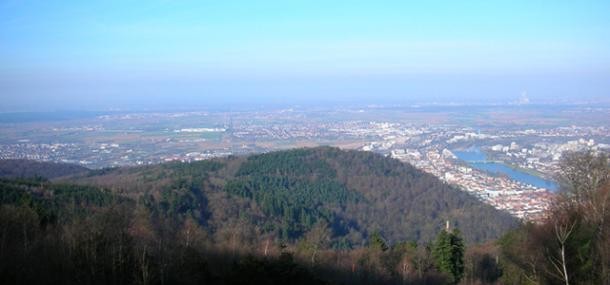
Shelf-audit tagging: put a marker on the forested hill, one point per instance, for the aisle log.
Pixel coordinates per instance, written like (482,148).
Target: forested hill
(285,194)
(21,168)
(304,216)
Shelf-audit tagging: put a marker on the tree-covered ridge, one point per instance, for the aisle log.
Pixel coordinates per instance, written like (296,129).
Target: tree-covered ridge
(53,202)
(72,234)
(292,205)
(210,222)
(294,189)
(21,168)
(283,194)
(298,162)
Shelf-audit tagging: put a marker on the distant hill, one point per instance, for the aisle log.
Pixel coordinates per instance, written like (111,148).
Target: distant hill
(21,168)
(284,194)
(304,216)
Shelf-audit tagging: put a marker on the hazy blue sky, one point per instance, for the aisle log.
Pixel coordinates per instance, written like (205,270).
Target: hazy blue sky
(152,54)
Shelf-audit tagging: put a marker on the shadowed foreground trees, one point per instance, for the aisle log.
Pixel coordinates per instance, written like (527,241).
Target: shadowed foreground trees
(572,246)
(238,220)
(68,234)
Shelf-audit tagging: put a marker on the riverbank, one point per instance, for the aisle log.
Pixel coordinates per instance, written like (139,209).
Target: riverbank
(477,159)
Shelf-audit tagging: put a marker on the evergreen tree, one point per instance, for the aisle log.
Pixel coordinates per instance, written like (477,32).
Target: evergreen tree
(378,242)
(448,253)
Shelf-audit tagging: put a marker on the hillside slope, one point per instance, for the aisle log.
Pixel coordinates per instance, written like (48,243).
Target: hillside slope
(21,168)
(285,194)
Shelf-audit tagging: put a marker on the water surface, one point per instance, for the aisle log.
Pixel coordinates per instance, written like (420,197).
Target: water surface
(477,159)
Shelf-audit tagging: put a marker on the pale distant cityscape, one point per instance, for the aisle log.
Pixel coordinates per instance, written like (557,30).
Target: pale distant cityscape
(507,164)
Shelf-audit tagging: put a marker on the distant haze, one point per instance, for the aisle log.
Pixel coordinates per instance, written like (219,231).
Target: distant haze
(71,55)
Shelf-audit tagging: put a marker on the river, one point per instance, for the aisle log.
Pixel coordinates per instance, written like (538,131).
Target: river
(478,160)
